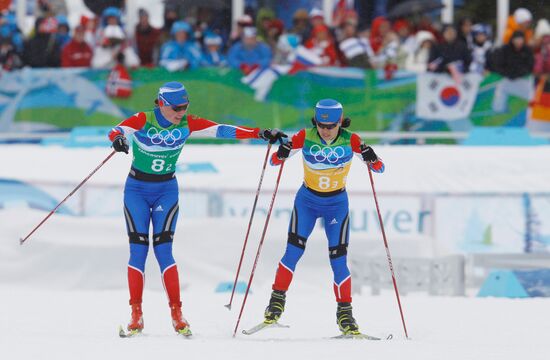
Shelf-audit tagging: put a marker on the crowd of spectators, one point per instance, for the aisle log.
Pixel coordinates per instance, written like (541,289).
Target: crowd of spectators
(258,41)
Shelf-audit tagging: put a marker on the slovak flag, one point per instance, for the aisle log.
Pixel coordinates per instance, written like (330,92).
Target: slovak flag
(440,97)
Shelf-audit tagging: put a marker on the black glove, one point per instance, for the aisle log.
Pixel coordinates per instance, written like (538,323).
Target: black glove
(272,135)
(284,150)
(120,144)
(368,154)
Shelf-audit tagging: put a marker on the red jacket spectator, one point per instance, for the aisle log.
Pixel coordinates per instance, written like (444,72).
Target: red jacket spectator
(380,27)
(322,43)
(77,53)
(147,39)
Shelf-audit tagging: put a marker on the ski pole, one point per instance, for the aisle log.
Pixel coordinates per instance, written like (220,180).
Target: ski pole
(228,306)
(22,240)
(387,252)
(259,247)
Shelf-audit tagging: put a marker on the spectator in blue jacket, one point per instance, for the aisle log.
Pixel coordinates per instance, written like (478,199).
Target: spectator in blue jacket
(9,30)
(212,55)
(182,52)
(63,30)
(249,54)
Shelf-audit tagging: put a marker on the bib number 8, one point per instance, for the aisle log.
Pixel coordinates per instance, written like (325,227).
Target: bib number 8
(324,182)
(157,165)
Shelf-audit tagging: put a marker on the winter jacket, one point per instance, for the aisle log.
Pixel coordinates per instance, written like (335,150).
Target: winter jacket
(512,63)
(76,54)
(441,55)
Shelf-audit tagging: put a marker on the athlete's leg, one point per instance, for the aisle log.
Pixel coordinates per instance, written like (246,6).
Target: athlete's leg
(137,215)
(336,221)
(301,225)
(165,215)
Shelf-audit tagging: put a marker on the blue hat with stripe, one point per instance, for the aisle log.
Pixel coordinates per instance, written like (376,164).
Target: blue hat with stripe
(173,93)
(328,111)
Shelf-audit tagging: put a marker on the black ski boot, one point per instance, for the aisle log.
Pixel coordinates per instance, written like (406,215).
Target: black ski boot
(345,320)
(276,306)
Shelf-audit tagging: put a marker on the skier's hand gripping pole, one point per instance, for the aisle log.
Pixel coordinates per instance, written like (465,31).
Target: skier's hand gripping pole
(22,240)
(252,212)
(387,252)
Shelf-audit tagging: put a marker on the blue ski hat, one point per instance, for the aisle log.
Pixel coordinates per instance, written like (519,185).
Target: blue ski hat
(328,111)
(180,26)
(173,93)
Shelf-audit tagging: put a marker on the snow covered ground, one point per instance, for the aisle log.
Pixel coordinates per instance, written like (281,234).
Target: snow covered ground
(63,294)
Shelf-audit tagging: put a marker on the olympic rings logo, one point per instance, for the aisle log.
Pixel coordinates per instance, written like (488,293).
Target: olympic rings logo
(164,136)
(329,154)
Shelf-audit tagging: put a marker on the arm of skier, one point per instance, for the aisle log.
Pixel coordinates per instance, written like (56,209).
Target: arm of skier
(288,149)
(212,129)
(119,134)
(367,154)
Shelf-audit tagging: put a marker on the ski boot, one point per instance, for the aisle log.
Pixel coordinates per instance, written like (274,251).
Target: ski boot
(345,320)
(276,306)
(181,326)
(136,323)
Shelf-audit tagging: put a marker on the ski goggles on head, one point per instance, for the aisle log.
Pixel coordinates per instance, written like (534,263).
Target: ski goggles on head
(328,126)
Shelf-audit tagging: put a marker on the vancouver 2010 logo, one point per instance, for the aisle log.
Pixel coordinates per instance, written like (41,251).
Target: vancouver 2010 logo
(164,136)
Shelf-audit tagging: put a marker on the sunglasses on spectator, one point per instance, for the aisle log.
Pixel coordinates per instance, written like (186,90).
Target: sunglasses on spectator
(179,107)
(329,126)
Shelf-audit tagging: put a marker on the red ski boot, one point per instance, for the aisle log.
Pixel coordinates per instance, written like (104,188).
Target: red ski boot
(136,323)
(180,324)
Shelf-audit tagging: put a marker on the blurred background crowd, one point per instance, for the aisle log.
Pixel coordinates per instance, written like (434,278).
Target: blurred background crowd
(197,34)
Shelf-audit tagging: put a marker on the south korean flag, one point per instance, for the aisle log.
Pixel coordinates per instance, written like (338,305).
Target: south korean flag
(442,97)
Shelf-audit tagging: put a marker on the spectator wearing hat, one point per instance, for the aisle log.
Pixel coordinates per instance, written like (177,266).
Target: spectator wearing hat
(417,60)
(250,53)
(147,39)
(403,29)
(355,50)
(481,46)
(379,29)
(111,16)
(514,62)
(77,53)
(63,30)
(237,33)
(181,52)
(316,17)
(521,21)
(263,20)
(43,49)
(301,25)
(212,55)
(542,32)
(275,29)
(322,43)
(114,49)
